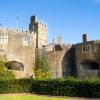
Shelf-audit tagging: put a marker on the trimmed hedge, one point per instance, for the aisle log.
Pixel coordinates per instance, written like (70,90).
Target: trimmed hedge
(68,87)
(15,86)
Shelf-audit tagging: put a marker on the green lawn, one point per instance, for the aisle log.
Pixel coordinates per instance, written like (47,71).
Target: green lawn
(30,97)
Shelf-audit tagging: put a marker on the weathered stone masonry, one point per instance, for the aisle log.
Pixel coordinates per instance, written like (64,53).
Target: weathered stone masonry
(19,49)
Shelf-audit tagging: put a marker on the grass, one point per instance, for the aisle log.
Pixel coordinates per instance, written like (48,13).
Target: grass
(30,97)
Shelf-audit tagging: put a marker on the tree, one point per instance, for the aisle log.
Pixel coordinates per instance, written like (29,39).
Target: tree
(42,70)
(4,73)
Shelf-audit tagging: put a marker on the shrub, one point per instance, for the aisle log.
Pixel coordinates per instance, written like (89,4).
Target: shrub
(42,70)
(4,73)
(15,86)
(59,87)
(68,87)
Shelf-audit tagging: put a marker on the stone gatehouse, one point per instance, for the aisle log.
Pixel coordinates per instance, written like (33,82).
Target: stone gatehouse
(19,48)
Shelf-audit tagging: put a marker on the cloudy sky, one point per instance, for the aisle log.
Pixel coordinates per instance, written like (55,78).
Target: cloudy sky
(67,18)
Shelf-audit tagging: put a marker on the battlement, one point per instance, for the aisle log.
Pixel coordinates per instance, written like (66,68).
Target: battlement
(42,24)
(5,29)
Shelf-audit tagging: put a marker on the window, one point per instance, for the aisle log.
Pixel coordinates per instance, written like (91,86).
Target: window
(30,40)
(83,49)
(25,41)
(9,68)
(3,39)
(14,65)
(86,48)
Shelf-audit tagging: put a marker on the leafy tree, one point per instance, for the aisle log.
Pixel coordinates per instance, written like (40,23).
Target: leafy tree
(42,70)
(4,73)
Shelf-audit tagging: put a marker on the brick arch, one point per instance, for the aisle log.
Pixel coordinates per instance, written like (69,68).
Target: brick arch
(15,65)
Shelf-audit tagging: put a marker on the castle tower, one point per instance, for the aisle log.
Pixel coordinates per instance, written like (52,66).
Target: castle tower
(41,31)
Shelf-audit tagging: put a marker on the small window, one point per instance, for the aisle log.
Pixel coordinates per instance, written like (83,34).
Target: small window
(86,48)
(9,68)
(14,65)
(30,40)
(83,49)
(43,46)
(3,39)
(25,41)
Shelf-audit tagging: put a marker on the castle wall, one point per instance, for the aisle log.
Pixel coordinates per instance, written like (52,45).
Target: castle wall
(57,60)
(55,63)
(81,60)
(87,59)
(20,46)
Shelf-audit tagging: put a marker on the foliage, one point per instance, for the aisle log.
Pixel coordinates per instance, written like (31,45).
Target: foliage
(15,86)
(59,87)
(4,73)
(39,74)
(68,87)
(42,70)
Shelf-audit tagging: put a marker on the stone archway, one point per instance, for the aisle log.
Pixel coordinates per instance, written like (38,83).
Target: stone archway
(15,65)
(69,63)
(89,65)
(89,68)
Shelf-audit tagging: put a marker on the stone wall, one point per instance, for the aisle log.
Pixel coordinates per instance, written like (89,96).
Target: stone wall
(20,46)
(56,59)
(87,57)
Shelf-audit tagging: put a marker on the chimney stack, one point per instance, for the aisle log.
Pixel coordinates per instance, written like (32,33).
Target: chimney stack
(33,21)
(59,40)
(84,38)
(52,41)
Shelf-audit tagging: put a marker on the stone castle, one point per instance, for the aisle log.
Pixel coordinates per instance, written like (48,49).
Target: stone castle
(19,49)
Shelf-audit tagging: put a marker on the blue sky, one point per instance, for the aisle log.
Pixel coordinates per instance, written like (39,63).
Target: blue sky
(66,18)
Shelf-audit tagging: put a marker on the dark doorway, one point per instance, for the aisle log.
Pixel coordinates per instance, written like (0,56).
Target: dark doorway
(68,63)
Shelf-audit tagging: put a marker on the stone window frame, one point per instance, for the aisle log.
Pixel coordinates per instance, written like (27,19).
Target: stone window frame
(86,48)
(25,41)
(3,39)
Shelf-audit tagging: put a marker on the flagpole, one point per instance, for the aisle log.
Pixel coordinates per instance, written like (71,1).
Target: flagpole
(17,21)
(0,24)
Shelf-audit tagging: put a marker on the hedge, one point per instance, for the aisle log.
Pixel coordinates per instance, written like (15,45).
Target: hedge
(15,86)
(67,88)
(57,87)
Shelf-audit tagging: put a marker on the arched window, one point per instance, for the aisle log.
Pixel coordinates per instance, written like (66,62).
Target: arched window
(14,65)
(90,65)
